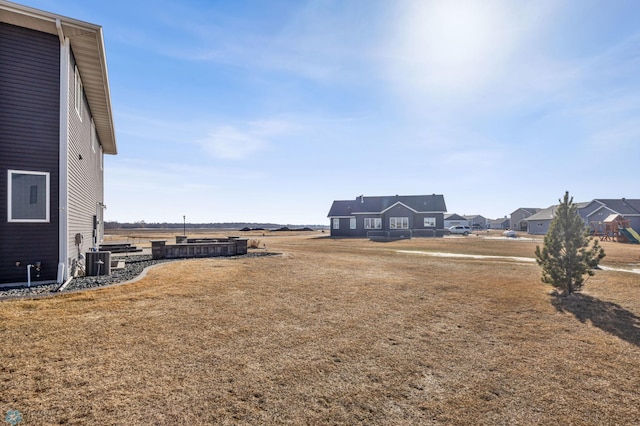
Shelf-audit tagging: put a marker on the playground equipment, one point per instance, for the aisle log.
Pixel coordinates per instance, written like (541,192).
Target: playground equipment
(615,228)
(630,235)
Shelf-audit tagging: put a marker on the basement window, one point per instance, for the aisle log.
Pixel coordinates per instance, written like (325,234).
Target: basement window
(28,196)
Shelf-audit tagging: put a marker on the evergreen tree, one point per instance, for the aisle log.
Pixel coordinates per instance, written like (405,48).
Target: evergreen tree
(566,256)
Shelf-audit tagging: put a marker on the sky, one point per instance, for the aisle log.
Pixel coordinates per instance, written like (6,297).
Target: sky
(267,111)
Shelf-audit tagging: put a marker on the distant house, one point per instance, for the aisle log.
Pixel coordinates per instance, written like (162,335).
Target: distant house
(538,223)
(476,221)
(502,223)
(454,219)
(401,216)
(55,125)
(518,217)
(599,209)
(593,212)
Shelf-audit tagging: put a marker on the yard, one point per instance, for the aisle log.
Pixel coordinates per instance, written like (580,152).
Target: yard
(332,331)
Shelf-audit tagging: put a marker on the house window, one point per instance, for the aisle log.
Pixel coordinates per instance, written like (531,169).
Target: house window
(94,137)
(399,223)
(352,223)
(336,223)
(28,196)
(79,93)
(372,223)
(429,222)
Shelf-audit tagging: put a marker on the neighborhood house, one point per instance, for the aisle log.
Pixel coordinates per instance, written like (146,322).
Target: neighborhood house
(397,216)
(595,214)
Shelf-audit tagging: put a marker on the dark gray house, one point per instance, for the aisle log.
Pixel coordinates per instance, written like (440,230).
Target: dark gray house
(56,124)
(401,216)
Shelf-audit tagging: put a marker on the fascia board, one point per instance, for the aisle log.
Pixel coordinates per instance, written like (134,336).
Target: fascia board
(603,207)
(398,203)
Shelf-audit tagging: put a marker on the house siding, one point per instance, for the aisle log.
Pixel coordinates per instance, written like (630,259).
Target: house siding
(539,227)
(29,140)
(85,177)
(518,218)
(345,227)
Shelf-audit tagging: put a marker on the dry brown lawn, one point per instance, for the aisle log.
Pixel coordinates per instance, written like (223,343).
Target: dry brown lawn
(333,331)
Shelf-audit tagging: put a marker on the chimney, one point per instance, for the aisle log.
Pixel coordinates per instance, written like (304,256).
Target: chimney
(361,199)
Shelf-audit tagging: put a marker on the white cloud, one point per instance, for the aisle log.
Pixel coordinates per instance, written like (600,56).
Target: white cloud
(241,142)
(227,142)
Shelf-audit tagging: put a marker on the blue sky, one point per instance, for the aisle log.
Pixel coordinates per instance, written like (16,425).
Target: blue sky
(267,111)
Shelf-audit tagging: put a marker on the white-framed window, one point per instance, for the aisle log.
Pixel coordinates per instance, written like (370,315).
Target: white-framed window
(372,223)
(352,223)
(79,93)
(94,137)
(398,223)
(28,196)
(336,223)
(429,222)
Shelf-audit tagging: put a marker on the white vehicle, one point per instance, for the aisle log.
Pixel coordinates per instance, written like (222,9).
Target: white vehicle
(460,229)
(510,233)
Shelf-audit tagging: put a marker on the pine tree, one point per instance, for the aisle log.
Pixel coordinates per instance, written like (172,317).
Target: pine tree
(566,257)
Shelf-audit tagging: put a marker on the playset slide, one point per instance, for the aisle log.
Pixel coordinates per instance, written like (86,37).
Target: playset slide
(631,235)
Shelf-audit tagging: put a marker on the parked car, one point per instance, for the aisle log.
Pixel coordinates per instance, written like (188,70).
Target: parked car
(510,233)
(460,229)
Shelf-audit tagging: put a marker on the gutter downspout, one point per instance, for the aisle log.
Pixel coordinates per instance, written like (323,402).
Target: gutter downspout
(63,286)
(63,175)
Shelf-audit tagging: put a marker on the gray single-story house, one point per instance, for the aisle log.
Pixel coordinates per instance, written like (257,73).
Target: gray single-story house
(396,215)
(502,223)
(538,223)
(56,124)
(476,221)
(454,219)
(518,217)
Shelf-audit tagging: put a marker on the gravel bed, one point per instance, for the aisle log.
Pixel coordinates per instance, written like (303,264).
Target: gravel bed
(134,265)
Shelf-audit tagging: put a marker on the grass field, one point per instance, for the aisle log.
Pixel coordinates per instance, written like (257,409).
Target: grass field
(332,331)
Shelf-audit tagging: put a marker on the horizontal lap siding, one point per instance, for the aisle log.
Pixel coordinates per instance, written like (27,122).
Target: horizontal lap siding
(29,140)
(85,177)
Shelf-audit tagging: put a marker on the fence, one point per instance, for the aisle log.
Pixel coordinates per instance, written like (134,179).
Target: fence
(402,234)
